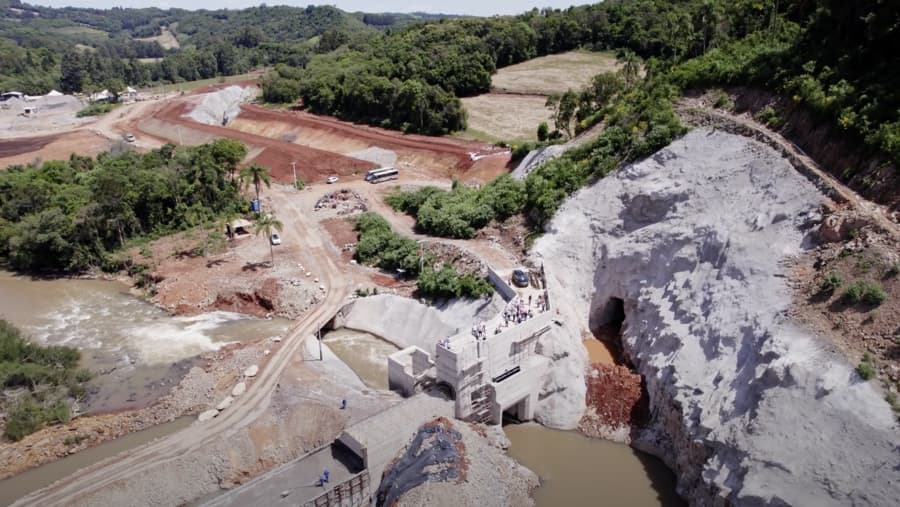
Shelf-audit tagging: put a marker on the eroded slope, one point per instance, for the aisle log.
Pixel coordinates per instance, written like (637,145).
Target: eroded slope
(746,406)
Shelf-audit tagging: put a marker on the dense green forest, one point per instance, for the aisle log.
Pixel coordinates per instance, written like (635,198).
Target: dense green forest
(48,379)
(66,216)
(802,50)
(830,56)
(380,246)
(73,49)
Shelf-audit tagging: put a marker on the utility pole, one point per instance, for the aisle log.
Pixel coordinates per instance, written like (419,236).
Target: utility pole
(294,168)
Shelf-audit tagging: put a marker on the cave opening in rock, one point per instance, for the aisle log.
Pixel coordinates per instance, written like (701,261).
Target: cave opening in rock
(607,348)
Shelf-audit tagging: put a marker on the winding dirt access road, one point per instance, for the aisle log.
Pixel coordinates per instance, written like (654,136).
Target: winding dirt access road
(825,181)
(91,480)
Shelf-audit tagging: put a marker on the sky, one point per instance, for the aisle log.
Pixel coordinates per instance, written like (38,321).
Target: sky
(470,7)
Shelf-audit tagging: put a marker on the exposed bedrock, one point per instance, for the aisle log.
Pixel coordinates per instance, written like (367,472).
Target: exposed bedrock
(746,407)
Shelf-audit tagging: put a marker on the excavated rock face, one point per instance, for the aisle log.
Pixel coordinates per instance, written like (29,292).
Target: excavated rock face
(746,407)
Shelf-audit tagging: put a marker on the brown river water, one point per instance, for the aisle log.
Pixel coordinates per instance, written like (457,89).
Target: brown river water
(138,351)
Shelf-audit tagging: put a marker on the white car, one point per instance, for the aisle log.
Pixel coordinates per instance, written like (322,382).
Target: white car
(275,238)
(332,179)
(129,138)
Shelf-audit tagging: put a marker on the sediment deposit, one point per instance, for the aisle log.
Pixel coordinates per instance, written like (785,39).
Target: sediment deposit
(746,406)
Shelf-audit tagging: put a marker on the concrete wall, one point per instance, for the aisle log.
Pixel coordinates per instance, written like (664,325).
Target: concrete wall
(355,446)
(503,288)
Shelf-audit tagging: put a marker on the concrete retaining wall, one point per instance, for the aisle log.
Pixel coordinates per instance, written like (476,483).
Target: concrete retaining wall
(503,288)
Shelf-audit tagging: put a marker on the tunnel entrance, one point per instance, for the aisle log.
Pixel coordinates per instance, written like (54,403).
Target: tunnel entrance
(608,332)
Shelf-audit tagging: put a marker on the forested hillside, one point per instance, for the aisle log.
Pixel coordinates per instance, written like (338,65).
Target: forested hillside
(94,46)
(832,57)
(67,215)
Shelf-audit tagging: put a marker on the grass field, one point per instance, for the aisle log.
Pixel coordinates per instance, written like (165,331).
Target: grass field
(511,118)
(91,34)
(166,39)
(553,74)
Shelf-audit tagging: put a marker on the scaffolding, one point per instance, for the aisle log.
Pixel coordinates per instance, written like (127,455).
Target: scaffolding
(354,492)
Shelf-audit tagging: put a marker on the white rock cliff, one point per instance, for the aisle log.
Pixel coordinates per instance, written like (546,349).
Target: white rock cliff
(747,408)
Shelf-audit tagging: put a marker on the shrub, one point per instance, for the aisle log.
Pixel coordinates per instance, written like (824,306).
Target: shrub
(892,271)
(831,282)
(25,418)
(862,291)
(722,100)
(543,131)
(447,283)
(95,109)
(770,117)
(866,369)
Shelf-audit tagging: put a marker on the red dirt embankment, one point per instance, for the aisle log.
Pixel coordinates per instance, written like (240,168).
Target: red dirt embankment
(616,401)
(312,164)
(25,145)
(388,139)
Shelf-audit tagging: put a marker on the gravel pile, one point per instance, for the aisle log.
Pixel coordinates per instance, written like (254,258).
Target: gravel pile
(376,155)
(220,107)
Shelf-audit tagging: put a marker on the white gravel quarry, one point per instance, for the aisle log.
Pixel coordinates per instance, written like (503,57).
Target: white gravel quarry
(748,408)
(222,106)
(376,155)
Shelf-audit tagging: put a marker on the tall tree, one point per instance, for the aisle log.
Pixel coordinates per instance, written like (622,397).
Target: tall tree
(256,175)
(266,225)
(631,65)
(72,69)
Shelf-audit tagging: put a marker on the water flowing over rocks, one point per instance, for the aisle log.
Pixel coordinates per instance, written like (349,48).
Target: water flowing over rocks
(747,407)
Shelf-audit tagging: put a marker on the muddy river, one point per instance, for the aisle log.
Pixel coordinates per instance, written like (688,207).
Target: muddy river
(364,353)
(579,471)
(137,349)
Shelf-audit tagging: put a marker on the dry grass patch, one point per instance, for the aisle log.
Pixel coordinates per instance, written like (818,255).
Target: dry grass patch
(166,39)
(511,118)
(554,73)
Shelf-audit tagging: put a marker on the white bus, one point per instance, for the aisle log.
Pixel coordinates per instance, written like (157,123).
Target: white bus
(383,174)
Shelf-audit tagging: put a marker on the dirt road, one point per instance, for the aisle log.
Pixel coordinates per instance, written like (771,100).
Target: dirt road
(690,108)
(92,481)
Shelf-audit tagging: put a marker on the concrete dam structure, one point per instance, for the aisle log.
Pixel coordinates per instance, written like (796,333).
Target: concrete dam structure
(493,369)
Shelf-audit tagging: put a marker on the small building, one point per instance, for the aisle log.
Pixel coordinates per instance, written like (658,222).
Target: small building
(238,228)
(128,93)
(103,96)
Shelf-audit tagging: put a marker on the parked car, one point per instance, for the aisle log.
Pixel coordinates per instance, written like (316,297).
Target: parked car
(332,179)
(129,138)
(520,278)
(275,238)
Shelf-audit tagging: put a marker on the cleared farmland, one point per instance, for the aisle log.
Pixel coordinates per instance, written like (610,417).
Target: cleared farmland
(553,74)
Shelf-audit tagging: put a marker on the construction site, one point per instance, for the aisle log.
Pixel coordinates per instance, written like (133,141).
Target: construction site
(648,290)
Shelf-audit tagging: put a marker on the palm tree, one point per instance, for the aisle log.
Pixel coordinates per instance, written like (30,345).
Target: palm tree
(631,65)
(256,175)
(267,224)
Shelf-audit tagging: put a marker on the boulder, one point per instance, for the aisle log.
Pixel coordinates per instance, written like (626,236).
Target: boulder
(239,389)
(251,371)
(225,403)
(208,415)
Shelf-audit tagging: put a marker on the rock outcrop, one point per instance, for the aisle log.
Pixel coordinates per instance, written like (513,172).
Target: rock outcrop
(747,407)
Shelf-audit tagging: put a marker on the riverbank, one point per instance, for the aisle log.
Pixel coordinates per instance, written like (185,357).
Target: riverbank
(210,379)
